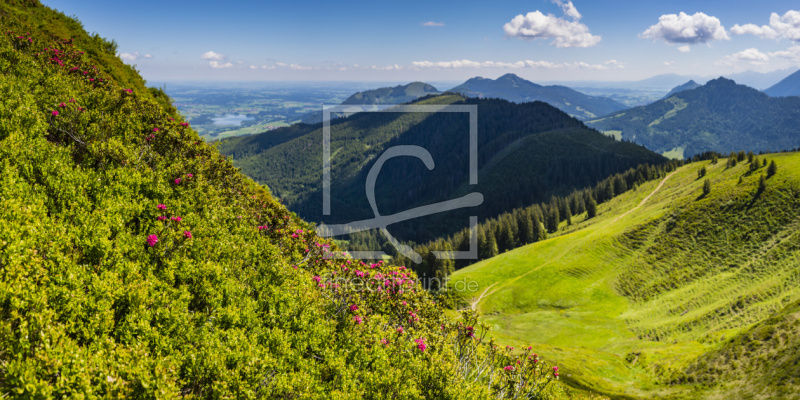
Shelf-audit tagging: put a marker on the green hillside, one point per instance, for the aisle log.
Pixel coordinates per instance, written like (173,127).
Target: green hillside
(137,262)
(513,88)
(667,292)
(719,116)
(526,153)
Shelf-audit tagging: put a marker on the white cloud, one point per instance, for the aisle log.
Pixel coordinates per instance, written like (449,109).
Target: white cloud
(267,67)
(386,68)
(568,8)
(432,23)
(218,65)
(565,33)
(669,63)
(210,55)
(688,29)
(134,56)
(792,54)
(684,49)
(253,67)
(786,26)
(752,58)
(457,64)
(298,67)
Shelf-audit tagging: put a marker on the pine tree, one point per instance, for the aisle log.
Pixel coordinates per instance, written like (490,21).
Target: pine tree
(773,169)
(591,208)
(755,164)
(552,219)
(762,184)
(714,159)
(750,156)
(741,156)
(741,180)
(764,163)
(701,172)
(706,187)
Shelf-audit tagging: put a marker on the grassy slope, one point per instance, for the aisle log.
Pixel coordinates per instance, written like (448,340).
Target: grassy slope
(660,285)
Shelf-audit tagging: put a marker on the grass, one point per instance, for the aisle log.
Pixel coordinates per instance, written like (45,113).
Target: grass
(630,299)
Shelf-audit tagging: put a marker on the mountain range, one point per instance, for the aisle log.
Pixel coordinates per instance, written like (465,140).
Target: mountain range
(718,116)
(513,88)
(392,95)
(526,153)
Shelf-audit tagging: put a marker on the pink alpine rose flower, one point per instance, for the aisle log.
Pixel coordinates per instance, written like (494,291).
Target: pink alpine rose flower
(152,240)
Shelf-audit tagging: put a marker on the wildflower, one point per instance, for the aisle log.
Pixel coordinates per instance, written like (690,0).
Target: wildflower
(62,104)
(421,344)
(177,219)
(189,175)
(400,330)
(161,207)
(470,331)
(294,235)
(353,308)
(55,113)
(384,341)
(299,231)
(161,218)
(317,278)
(509,368)
(358,320)
(177,181)
(129,91)
(152,240)
(184,124)
(71,100)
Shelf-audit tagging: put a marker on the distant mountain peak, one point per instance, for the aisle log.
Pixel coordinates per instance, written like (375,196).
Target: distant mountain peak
(519,90)
(721,81)
(789,86)
(682,88)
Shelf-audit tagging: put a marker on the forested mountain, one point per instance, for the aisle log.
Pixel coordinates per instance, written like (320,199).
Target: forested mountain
(526,153)
(684,288)
(137,262)
(513,88)
(392,95)
(680,88)
(718,116)
(789,86)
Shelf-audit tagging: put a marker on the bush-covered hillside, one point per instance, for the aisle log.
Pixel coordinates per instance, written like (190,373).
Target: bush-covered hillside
(136,262)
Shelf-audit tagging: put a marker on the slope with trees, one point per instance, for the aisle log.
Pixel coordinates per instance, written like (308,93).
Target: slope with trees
(719,116)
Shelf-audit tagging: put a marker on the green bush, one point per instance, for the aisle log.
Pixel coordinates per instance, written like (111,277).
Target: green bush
(135,261)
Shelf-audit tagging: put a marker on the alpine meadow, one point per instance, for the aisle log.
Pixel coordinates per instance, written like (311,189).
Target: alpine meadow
(366,200)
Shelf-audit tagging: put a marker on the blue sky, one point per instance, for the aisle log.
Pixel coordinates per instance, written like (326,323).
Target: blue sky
(541,40)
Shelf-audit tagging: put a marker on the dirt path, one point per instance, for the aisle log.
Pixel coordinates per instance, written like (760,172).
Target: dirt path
(644,200)
(475,302)
(568,250)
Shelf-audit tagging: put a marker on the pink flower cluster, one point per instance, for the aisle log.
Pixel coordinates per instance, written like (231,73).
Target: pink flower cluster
(421,344)
(187,234)
(358,320)
(353,308)
(152,240)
